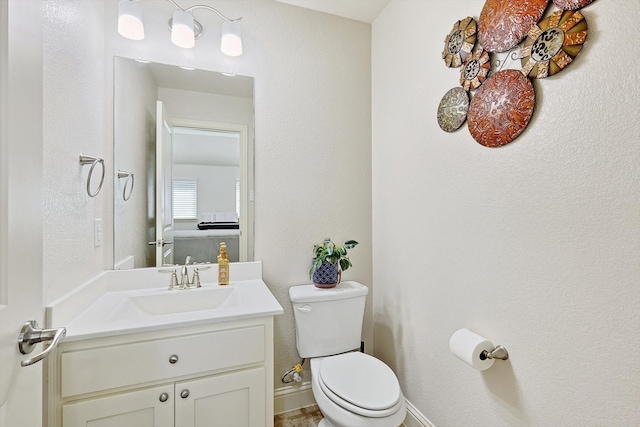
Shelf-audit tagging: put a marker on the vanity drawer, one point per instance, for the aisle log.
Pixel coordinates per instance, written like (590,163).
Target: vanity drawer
(96,369)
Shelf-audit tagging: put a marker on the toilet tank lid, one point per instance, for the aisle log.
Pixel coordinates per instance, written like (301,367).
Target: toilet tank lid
(310,293)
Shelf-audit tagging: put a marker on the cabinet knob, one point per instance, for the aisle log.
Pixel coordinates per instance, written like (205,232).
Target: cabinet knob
(184,394)
(164,397)
(173,359)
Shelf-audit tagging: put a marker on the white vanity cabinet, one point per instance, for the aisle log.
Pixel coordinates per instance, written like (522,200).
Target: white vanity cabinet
(152,407)
(219,374)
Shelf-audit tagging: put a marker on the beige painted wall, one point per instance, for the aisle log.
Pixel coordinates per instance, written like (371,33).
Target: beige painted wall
(535,245)
(312,135)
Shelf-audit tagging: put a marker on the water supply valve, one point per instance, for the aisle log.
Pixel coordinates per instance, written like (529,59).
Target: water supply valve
(293,374)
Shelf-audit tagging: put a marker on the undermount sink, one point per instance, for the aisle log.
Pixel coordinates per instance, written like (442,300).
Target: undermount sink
(182,301)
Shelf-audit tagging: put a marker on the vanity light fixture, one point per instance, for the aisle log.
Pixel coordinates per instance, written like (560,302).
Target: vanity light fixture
(184,28)
(130,23)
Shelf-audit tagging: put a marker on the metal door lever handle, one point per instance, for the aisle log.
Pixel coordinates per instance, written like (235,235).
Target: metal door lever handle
(31,334)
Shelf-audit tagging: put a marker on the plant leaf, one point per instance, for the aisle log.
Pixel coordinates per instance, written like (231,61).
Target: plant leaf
(350,244)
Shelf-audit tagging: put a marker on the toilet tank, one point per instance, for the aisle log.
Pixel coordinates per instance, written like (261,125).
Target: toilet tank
(328,321)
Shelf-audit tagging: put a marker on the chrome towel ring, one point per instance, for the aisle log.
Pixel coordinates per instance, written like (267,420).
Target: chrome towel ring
(93,161)
(129,177)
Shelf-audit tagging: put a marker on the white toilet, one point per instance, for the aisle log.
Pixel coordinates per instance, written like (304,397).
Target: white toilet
(352,389)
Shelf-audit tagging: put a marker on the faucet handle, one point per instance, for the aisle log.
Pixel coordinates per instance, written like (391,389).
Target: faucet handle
(196,274)
(186,261)
(196,278)
(174,277)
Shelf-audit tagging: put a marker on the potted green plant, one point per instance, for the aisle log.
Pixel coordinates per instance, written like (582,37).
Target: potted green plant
(329,261)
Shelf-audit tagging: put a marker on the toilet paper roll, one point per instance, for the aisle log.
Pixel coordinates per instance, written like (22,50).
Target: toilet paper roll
(467,346)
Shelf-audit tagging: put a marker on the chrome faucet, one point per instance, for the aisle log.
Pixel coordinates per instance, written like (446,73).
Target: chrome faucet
(184,276)
(185,282)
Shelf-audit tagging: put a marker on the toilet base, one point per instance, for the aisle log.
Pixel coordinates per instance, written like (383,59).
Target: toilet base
(325,423)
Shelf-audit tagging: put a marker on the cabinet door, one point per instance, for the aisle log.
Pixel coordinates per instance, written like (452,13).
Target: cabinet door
(143,408)
(236,399)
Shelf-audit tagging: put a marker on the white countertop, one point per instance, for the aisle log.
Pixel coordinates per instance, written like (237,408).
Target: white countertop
(104,307)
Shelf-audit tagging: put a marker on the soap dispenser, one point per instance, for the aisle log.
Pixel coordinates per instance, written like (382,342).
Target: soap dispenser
(223,265)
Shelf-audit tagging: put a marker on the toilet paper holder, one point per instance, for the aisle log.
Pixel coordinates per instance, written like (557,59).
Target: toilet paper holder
(499,352)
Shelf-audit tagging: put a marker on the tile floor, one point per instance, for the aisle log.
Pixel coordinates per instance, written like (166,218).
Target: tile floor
(309,416)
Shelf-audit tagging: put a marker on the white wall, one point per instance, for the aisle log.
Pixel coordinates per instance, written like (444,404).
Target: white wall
(74,122)
(312,135)
(534,245)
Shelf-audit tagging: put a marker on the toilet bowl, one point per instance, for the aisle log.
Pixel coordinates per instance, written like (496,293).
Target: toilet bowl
(356,390)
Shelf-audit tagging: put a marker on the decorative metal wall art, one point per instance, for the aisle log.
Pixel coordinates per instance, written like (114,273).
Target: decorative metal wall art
(504,101)
(501,108)
(553,43)
(504,23)
(459,43)
(572,4)
(475,69)
(452,111)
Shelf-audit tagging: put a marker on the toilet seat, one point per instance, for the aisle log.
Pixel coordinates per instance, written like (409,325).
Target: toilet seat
(360,384)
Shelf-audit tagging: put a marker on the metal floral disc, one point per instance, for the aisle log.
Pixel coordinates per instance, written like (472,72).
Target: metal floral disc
(553,43)
(572,4)
(504,23)
(501,108)
(452,111)
(459,43)
(475,69)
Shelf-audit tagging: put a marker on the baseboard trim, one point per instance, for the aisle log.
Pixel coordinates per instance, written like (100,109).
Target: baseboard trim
(415,418)
(289,398)
(292,397)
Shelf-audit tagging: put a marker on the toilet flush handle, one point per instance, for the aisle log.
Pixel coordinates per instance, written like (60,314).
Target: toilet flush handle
(304,308)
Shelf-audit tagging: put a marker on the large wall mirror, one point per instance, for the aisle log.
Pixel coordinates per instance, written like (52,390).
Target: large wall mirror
(183,156)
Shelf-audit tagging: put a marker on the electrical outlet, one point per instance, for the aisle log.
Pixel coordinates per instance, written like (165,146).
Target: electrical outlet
(97,232)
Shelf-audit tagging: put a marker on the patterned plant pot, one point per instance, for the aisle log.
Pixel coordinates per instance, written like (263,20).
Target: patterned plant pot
(327,275)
